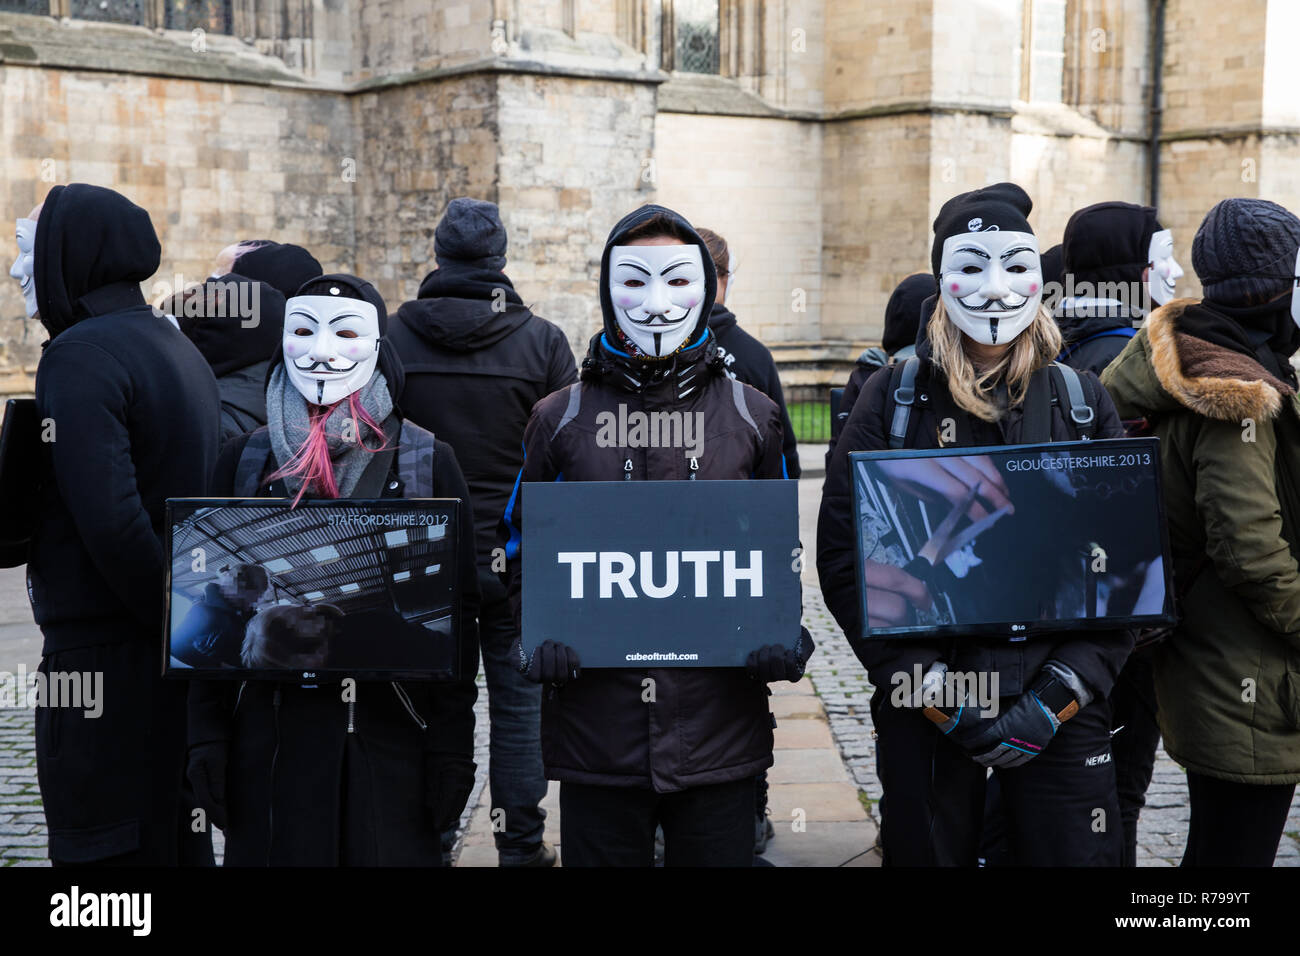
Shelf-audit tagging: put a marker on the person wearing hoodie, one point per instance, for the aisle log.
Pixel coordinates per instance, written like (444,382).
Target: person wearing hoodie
(1214,380)
(1120,260)
(477,360)
(281,265)
(236,323)
(897,342)
(745,357)
(303,775)
(689,762)
(983,364)
(134,412)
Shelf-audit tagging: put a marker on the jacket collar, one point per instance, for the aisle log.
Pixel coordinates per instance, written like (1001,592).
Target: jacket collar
(683,374)
(1209,379)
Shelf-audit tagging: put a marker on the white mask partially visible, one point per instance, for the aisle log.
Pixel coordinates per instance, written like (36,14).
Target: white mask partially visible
(1163,278)
(24,267)
(991,283)
(1295,291)
(331,345)
(657,293)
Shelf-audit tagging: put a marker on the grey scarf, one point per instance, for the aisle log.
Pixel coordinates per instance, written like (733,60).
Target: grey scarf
(289,422)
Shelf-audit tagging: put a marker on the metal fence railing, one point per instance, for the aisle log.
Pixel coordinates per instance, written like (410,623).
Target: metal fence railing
(810,412)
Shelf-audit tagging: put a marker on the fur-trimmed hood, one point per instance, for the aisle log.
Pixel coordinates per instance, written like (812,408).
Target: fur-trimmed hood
(1163,370)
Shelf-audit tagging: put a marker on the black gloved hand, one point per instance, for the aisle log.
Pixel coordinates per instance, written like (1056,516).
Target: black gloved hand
(772,663)
(1028,726)
(448,782)
(553,663)
(956,719)
(206,770)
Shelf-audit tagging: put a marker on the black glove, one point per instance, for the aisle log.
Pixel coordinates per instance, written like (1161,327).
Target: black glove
(772,663)
(206,770)
(1028,726)
(956,719)
(448,782)
(553,663)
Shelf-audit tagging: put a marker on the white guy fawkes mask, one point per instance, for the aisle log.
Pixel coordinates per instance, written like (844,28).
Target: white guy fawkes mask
(1165,272)
(991,283)
(24,267)
(657,292)
(331,345)
(1295,291)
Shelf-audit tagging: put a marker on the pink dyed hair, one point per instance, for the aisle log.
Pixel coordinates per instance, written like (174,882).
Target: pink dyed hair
(311,462)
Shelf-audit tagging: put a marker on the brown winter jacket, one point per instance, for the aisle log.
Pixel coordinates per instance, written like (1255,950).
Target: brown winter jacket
(1228,681)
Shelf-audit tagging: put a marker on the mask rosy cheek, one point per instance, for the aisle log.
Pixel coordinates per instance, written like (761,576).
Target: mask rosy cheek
(625,301)
(294,348)
(356,349)
(1033,287)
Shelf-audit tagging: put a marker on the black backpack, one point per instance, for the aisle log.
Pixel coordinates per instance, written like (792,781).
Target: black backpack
(1065,385)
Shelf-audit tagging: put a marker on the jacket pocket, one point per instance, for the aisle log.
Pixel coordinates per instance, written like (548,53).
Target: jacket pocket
(1290,696)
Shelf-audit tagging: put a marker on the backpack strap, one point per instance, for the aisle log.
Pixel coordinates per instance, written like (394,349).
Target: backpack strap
(252,463)
(1124,331)
(1036,426)
(902,386)
(415,455)
(1081,414)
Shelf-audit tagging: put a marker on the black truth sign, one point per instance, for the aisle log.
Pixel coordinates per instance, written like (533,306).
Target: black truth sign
(661,573)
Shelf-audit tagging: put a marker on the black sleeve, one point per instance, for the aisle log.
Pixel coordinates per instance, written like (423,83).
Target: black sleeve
(222,484)
(852,389)
(1109,424)
(87,394)
(561,369)
(211,707)
(771,459)
(837,567)
(451,706)
(789,442)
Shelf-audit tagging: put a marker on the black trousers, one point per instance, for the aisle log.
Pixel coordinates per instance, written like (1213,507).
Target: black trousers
(1235,824)
(1137,736)
(615,826)
(1060,808)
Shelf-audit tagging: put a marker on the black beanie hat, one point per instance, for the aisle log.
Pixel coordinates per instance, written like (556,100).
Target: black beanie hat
(1246,249)
(1110,242)
(1004,206)
(471,231)
(279,264)
(903,313)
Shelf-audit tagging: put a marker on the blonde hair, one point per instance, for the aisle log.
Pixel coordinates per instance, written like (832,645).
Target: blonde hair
(972,389)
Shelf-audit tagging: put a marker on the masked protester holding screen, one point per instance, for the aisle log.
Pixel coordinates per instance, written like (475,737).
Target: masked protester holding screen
(130,409)
(1214,380)
(311,775)
(980,378)
(688,758)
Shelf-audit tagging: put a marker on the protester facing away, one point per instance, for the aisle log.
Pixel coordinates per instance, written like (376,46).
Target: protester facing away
(280,264)
(303,775)
(236,323)
(1120,261)
(745,357)
(477,360)
(1214,380)
(978,365)
(910,298)
(133,412)
(689,761)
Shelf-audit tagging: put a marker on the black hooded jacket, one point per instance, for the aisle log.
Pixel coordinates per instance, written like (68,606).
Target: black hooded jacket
(749,360)
(1105,250)
(706,725)
(1096,656)
(135,412)
(238,346)
(476,363)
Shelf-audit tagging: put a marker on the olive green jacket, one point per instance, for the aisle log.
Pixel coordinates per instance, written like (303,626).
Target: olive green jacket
(1228,681)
